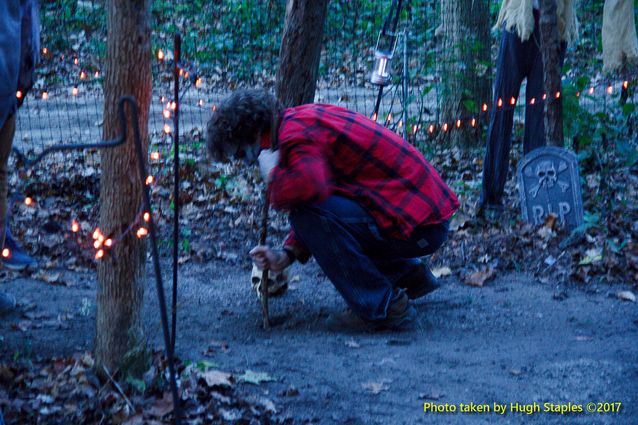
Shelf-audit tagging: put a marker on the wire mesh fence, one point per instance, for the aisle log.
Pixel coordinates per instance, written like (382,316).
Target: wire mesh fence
(236,43)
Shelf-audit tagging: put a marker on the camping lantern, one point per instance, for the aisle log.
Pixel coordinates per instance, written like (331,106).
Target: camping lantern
(382,56)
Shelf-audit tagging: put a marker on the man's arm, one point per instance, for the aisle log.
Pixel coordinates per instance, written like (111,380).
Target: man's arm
(301,177)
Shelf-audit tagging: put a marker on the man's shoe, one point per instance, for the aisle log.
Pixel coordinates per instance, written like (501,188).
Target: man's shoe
(419,281)
(401,315)
(7,303)
(347,320)
(17,259)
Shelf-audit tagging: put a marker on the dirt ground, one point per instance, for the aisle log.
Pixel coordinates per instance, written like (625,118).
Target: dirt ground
(514,340)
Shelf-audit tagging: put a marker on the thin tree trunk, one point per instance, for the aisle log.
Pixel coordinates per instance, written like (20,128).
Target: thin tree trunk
(466,73)
(121,272)
(550,51)
(300,51)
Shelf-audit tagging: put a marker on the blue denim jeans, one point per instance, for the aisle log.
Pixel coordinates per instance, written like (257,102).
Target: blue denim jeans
(362,263)
(516,61)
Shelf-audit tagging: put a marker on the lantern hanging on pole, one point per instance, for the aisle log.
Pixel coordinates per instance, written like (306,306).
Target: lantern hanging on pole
(383,54)
(384,51)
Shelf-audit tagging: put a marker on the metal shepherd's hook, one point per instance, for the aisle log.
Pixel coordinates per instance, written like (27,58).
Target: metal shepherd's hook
(274,136)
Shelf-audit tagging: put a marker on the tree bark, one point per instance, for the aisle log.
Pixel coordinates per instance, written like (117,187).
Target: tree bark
(550,51)
(466,67)
(300,51)
(120,273)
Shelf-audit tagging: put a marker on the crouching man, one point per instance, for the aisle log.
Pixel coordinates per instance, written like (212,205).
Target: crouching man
(360,199)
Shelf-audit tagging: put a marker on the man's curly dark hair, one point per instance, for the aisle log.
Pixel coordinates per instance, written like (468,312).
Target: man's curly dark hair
(238,120)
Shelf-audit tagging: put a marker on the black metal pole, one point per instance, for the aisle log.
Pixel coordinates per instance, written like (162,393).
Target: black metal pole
(177,60)
(141,160)
(405,85)
(375,114)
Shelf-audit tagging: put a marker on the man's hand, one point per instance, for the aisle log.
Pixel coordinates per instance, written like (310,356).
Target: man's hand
(268,159)
(269,259)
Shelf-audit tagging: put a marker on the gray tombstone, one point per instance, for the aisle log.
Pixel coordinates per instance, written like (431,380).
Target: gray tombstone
(548,182)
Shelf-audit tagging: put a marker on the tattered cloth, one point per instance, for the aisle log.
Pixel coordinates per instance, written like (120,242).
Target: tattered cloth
(519,15)
(620,45)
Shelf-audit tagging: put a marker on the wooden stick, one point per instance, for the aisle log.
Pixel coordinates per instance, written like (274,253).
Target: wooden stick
(264,275)
(274,137)
(118,388)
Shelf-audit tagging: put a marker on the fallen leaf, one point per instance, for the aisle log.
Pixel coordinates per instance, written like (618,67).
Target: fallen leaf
(266,403)
(217,378)
(582,338)
(515,371)
(24,325)
(255,378)
(626,296)
(134,420)
(376,387)
(479,278)
(441,271)
(162,407)
(434,395)
(352,343)
(592,255)
(292,392)
(53,277)
(551,220)
(546,233)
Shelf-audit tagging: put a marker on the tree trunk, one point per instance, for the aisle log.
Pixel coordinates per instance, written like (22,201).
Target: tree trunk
(466,67)
(300,51)
(550,51)
(120,273)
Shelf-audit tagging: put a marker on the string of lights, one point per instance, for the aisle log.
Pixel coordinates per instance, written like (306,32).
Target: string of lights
(102,243)
(429,128)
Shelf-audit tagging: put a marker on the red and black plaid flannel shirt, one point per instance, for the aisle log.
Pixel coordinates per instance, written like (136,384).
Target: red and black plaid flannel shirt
(326,149)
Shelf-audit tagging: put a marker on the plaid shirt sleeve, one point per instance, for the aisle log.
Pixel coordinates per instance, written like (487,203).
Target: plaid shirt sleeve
(302,176)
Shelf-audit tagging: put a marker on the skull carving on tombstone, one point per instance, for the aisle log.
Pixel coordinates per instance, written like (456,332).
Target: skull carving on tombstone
(546,173)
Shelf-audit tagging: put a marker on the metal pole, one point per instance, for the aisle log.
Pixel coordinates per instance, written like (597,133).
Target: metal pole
(146,199)
(405,85)
(141,160)
(177,59)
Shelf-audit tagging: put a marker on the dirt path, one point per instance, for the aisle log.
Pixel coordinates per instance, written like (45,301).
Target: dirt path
(512,341)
